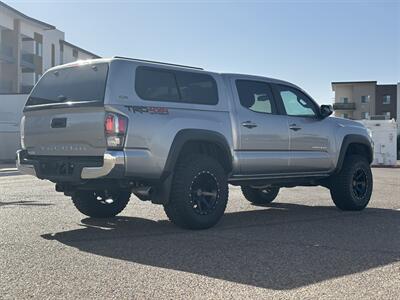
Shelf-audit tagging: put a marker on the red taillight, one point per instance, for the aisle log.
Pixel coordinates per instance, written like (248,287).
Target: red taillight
(122,122)
(115,127)
(109,124)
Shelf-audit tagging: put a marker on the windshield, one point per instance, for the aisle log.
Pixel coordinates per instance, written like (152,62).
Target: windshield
(71,84)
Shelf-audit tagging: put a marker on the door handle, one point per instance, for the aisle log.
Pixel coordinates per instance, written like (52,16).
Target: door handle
(294,127)
(249,124)
(59,123)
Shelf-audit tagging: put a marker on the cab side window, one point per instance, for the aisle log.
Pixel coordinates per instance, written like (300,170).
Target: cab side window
(159,84)
(256,96)
(156,84)
(296,103)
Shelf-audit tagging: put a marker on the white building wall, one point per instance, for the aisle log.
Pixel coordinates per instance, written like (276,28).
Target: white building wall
(68,54)
(83,56)
(29,30)
(51,37)
(6,21)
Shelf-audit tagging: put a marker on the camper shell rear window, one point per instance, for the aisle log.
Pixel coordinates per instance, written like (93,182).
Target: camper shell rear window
(78,83)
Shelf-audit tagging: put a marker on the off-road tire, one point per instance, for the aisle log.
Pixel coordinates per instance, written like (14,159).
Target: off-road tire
(260,196)
(183,208)
(347,192)
(90,204)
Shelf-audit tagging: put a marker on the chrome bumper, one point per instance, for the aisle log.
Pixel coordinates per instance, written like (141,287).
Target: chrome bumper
(112,160)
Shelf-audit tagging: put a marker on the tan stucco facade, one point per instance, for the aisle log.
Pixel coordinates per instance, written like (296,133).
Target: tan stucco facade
(355,93)
(28,47)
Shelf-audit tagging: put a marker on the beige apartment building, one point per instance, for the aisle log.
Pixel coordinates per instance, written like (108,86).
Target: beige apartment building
(28,47)
(360,100)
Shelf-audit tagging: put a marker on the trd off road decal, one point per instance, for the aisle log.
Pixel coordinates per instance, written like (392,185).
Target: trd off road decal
(148,109)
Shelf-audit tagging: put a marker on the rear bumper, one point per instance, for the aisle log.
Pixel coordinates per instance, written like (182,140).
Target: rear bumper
(24,166)
(112,165)
(112,161)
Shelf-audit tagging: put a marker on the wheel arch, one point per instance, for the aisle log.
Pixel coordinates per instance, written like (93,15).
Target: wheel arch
(186,138)
(354,144)
(183,138)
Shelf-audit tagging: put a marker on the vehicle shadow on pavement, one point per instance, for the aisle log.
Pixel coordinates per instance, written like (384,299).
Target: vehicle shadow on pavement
(284,246)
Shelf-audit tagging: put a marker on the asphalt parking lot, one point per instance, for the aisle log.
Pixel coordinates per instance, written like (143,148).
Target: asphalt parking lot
(299,247)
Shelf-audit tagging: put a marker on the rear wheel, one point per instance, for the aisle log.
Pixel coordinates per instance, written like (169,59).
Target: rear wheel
(260,196)
(101,204)
(199,193)
(351,188)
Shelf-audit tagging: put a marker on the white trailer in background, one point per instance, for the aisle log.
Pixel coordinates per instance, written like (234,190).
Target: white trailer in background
(384,135)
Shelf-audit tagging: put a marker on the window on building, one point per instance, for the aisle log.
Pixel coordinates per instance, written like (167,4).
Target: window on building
(387,115)
(256,96)
(386,99)
(364,115)
(345,115)
(38,48)
(175,86)
(364,99)
(53,55)
(344,100)
(75,53)
(61,53)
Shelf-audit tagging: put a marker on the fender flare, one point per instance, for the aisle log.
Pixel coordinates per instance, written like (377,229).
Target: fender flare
(353,139)
(162,192)
(192,135)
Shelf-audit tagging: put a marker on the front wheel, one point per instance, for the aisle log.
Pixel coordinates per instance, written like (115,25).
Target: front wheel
(199,193)
(101,204)
(351,188)
(260,196)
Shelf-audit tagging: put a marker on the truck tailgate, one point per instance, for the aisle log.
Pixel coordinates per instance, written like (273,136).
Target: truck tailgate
(65,131)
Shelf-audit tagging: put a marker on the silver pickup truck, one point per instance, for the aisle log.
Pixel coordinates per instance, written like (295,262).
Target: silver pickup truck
(178,135)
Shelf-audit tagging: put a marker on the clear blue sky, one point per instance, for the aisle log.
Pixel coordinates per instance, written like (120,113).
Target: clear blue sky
(310,43)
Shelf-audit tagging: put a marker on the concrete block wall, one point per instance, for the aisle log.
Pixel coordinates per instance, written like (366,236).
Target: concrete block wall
(11,106)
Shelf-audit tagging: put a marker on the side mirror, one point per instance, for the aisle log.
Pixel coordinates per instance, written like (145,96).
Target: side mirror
(325,111)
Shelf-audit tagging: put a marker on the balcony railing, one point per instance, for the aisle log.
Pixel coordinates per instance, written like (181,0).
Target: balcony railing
(344,106)
(27,61)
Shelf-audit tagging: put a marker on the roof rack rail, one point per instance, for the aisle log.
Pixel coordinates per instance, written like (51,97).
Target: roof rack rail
(159,62)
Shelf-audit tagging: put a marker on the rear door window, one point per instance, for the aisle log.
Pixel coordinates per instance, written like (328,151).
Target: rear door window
(256,96)
(80,83)
(175,86)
